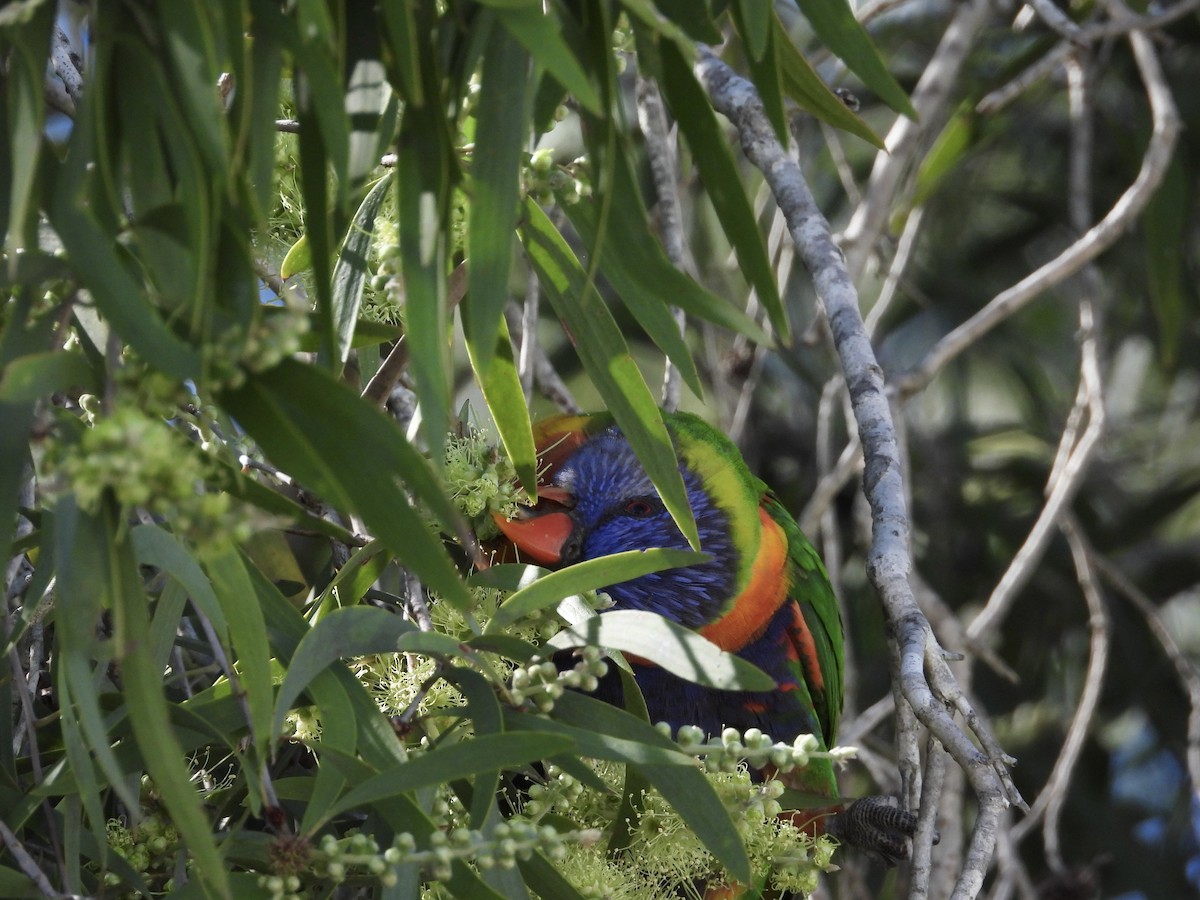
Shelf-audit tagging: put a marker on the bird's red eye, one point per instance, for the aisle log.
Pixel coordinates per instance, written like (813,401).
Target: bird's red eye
(640,508)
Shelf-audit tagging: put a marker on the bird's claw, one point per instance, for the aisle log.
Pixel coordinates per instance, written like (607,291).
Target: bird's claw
(878,827)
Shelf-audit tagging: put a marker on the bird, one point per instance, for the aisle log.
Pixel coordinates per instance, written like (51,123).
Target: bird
(763,593)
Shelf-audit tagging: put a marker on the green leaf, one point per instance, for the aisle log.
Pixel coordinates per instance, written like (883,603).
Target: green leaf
(606,357)
(506,402)
(807,88)
(754,22)
(714,159)
(750,17)
(400,29)
(422,185)
(505,96)
(159,548)
(590,575)
(25,74)
(540,35)
(692,22)
(164,758)
(299,258)
(248,634)
(302,418)
(945,153)
(350,269)
(446,763)
(592,742)
(835,23)
(354,631)
(679,650)
(30,378)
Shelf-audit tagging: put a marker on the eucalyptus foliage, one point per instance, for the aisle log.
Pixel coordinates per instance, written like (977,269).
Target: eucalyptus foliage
(259,661)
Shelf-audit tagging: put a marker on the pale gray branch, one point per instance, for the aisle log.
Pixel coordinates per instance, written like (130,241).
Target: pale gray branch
(889,561)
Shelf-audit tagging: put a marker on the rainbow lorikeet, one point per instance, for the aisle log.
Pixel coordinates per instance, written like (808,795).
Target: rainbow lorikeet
(763,594)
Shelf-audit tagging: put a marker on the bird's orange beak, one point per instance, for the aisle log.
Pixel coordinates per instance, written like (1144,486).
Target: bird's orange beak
(540,533)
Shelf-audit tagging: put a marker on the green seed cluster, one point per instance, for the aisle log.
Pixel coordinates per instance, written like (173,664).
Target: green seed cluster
(547,183)
(541,682)
(150,849)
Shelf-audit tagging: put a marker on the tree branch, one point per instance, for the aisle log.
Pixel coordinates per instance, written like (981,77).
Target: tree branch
(889,560)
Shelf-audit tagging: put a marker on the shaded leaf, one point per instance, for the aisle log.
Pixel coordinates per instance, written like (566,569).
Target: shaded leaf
(301,417)
(354,631)
(714,159)
(839,29)
(606,357)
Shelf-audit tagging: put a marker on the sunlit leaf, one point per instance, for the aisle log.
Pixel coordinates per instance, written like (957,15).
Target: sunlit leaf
(679,650)
(551,587)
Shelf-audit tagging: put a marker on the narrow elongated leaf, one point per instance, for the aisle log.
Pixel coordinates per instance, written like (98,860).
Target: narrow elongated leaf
(248,634)
(350,270)
(714,159)
(161,549)
(303,419)
(751,18)
(422,185)
(754,22)
(636,266)
(835,23)
(589,575)
(354,631)
(25,114)
(643,297)
(540,35)
(807,88)
(505,97)
(679,650)
(447,763)
(606,357)
(594,743)
(505,399)
(400,29)
(694,22)
(163,756)
(30,378)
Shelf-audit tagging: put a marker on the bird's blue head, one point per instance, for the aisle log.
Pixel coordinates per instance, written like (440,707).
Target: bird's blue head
(613,506)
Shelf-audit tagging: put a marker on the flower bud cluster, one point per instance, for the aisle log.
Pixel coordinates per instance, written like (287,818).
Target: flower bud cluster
(481,479)
(541,683)
(511,841)
(757,749)
(560,791)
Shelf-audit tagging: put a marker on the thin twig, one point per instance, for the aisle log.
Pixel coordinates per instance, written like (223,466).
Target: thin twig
(889,559)
(660,153)
(1185,669)
(26,862)
(1098,238)
(930,99)
(546,377)
(1054,794)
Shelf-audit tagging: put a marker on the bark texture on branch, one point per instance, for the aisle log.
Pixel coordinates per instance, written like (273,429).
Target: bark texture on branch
(889,559)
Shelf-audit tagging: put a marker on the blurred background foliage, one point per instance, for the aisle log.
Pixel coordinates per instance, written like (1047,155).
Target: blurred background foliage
(162,388)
